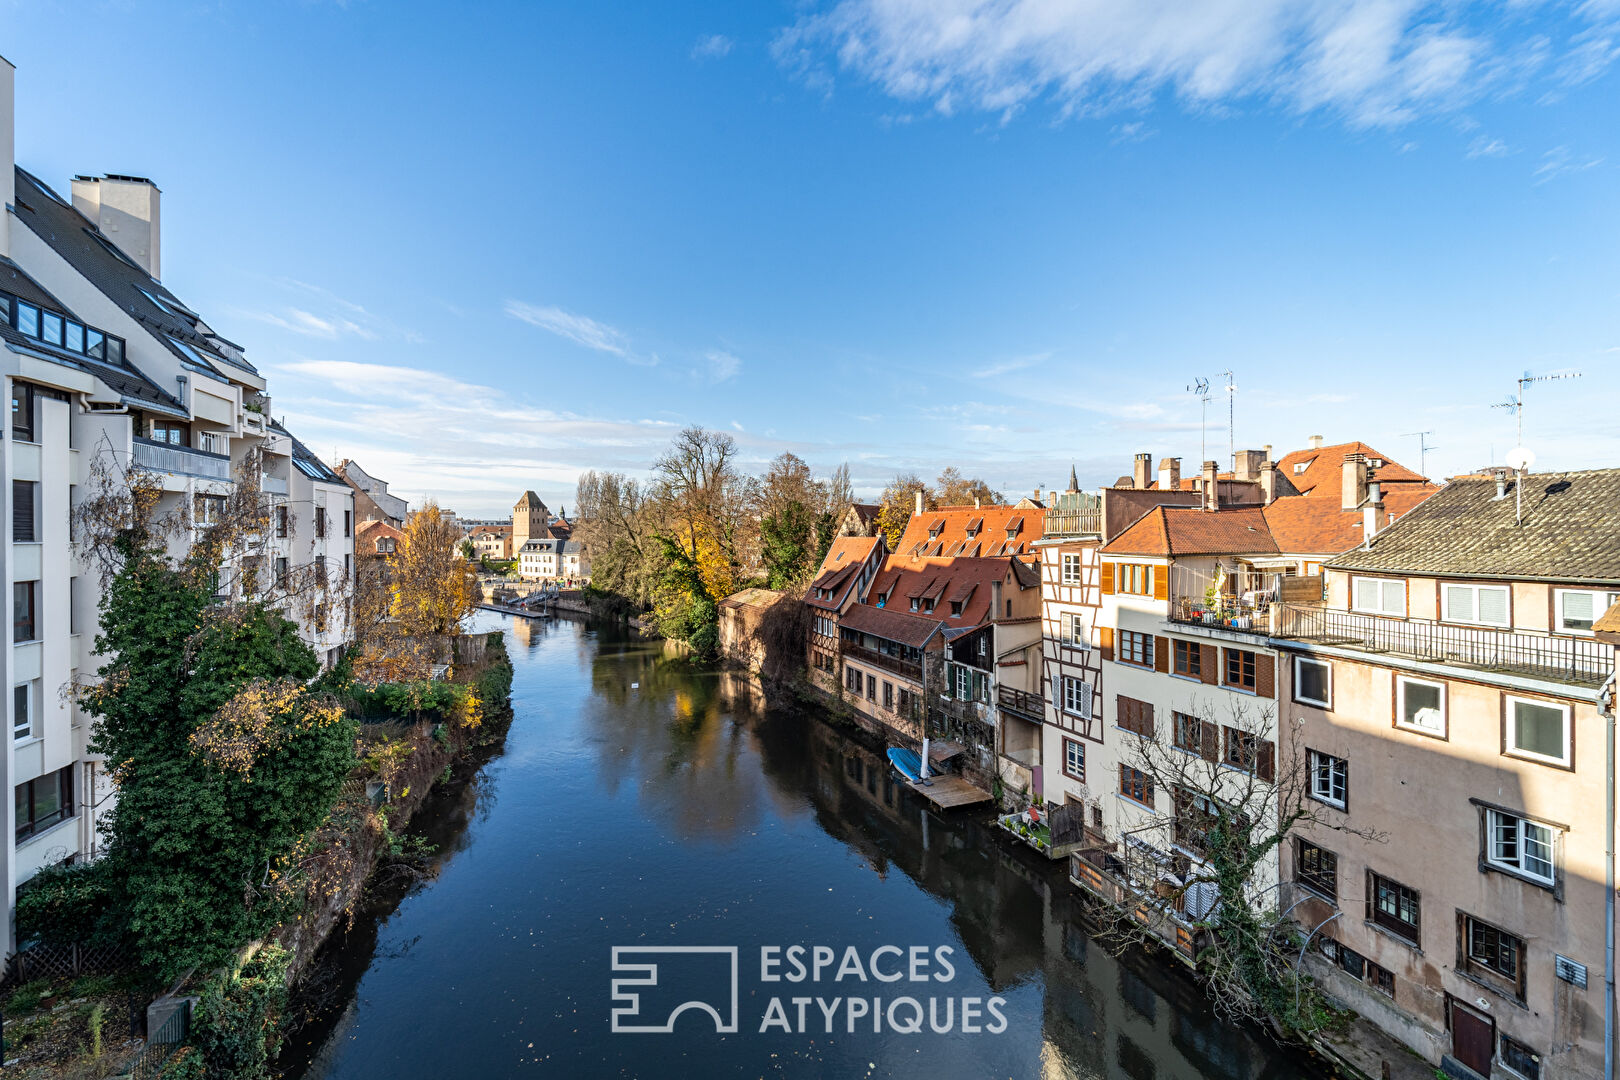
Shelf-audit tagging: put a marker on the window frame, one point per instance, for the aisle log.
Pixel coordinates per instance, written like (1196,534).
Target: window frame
(1503,944)
(1134,579)
(1504,1040)
(1066,561)
(1327,681)
(1187,659)
(1074,698)
(1071,749)
(1477,588)
(1133,781)
(1246,669)
(1183,720)
(1380,609)
(1401,682)
(30,589)
(26,733)
(1314,760)
(1602,600)
(1510,726)
(1073,630)
(66,808)
(1135,642)
(1409,931)
(1320,881)
(1491,820)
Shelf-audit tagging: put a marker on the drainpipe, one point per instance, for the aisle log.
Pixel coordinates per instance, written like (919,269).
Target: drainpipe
(1606,703)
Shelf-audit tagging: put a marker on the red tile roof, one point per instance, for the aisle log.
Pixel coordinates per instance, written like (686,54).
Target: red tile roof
(1174,531)
(1324,473)
(965,581)
(893,625)
(1316,525)
(952,523)
(843,562)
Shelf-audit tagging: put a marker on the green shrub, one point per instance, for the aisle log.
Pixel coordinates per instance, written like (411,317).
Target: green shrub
(67,904)
(236,1026)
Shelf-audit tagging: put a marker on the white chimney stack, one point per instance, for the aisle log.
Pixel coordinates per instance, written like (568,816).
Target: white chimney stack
(8,150)
(128,211)
(918,511)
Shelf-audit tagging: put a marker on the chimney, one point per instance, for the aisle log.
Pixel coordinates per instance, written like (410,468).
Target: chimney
(1143,473)
(127,211)
(1170,474)
(1372,515)
(8,151)
(1355,481)
(1501,483)
(918,511)
(1268,479)
(1212,486)
(1247,466)
(1316,442)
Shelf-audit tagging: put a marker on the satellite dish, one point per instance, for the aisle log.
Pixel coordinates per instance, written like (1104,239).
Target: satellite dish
(1521,459)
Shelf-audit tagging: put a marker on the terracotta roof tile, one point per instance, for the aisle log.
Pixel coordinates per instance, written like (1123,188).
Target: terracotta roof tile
(1173,531)
(1324,468)
(952,524)
(891,625)
(1319,526)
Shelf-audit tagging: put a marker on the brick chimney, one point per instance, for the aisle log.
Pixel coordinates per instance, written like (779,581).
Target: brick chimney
(1142,475)
(1247,466)
(1170,474)
(1372,515)
(128,210)
(8,150)
(1355,481)
(1211,486)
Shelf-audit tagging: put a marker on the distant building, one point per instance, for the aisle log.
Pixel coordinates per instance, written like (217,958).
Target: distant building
(371,499)
(859,520)
(492,541)
(530,521)
(376,539)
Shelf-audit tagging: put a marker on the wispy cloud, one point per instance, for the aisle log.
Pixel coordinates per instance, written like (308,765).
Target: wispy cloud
(1008,366)
(1561,161)
(1372,62)
(579,329)
(308,324)
(722,365)
(1483,147)
(712,47)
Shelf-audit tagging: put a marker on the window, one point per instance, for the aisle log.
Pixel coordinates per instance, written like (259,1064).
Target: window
(1071,569)
(168,431)
(1189,659)
(956,609)
(1074,759)
(1077,697)
(27,319)
(1484,604)
(1519,845)
(208,509)
(22,711)
(1538,729)
(320,522)
(1521,1059)
(1188,732)
(23,625)
(1353,963)
(1380,596)
(1135,785)
(1313,682)
(50,328)
(1578,609)
(888,695)
(75,337)
(1491,949)
(22,511)
(281,572)
(348,523)
(1135,648)
(1301,466)
(1074,629)
(1316,868)
(94,343)
(1240,669)
(1395,907)
(1135,579)
(1134,716)
(871,688)
(1330,779)
(22,412)
(1249,752)
(43,801)
(281,521)
(1382,979)
(1420,706)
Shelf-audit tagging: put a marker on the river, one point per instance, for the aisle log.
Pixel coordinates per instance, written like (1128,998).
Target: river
(639,803)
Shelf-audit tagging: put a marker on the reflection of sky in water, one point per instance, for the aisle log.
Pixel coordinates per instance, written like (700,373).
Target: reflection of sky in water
(677,811)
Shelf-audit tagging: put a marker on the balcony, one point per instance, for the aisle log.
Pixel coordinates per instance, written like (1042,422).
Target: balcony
(1561,659)
(1021,703)
(1239,599)
(903,668)
(1073,521)
(273,485)
(181,460)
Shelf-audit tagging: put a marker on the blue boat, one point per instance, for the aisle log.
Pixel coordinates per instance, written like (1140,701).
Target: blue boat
(907,764)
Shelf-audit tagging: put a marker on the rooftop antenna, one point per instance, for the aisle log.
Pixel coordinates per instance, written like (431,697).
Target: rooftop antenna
(1515,402)
(1423,449)
(1200,389)
(1231,418)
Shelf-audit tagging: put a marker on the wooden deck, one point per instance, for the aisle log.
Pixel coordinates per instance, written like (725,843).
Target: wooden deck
(948,792)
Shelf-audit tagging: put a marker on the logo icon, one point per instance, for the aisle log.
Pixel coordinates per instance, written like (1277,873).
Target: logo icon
(705,967)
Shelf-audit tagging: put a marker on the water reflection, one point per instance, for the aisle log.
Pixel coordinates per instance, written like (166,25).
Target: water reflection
(643,800)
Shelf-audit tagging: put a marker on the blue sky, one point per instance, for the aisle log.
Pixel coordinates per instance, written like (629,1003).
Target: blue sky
(481,247)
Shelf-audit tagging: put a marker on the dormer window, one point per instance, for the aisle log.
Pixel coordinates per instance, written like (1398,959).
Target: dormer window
(1375,463)
(914,603)
(928,605)
(956,609)
(1301,467)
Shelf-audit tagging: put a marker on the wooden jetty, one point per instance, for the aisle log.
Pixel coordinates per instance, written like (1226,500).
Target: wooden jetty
(950,791)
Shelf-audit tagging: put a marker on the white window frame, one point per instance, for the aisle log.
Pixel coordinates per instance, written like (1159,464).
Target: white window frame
(1326,667)
(1602,600)
(1325,766)
(1073,748)
(1067,560)
(1446,614)
(1380,584)
(1497,825)
(23,734)
(1401,682)
(1511,747)
(1077,698)
(1074,630)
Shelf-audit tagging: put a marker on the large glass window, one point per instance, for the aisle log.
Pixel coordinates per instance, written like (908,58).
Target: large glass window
(1538,729)
(1420,705)
(1313,681)
(43,801)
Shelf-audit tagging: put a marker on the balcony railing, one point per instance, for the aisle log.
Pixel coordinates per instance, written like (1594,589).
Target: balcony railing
(1563,659)
(887,663)
(1021,702)
(1066,521)
(1239,599)
(273,485)
(168,458)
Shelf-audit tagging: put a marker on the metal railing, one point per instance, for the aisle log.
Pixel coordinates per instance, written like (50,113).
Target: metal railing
(1021,702)
(1563,659)
(1239,599)
(166,457)
(887,663)
(161,1045)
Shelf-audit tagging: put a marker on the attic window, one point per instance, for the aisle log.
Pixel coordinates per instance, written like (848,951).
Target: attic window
(914,603)
(956,609)
(1301,467)
(838,557)
(1375,463)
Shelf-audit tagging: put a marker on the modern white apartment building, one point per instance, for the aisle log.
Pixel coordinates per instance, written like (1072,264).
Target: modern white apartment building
(102,362)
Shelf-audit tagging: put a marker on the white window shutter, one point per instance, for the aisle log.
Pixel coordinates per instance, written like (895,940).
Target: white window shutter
(1057,693)
(1493,606)
(1085,700)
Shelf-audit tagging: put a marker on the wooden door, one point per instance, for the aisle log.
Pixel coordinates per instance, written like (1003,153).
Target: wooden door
(1473,1038)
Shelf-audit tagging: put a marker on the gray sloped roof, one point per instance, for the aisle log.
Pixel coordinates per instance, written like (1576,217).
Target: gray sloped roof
(100,262)
(1570,531)
(306,460)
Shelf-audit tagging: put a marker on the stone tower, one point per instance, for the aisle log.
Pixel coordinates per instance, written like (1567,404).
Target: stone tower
(530,521)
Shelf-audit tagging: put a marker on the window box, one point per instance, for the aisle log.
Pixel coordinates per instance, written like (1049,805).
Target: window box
(1420,705)
(1537,730)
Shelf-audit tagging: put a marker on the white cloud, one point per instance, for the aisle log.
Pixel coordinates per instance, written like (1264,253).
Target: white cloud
(723,365)
(579,329)
(308,324)
(712,47)
(1483,147)
(1561,161)
(1373,62)
(1010,365)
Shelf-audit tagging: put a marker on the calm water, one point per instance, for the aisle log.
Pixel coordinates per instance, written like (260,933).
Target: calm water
(679,812)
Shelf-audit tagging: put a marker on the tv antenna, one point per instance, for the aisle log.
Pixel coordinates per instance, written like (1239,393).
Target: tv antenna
(1231,418)
(1423,449)
(1200,388)
(1515,402)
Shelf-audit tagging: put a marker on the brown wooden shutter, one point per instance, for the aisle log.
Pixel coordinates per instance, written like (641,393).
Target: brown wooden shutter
(1267,765)
(1105,642)
(1265,675)
(1146,724)
(1209,664)
(1161,582)
(1108,579)
(1161,654)
(1211,738)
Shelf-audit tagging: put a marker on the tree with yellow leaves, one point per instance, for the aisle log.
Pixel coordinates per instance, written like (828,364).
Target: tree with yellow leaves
(433,589)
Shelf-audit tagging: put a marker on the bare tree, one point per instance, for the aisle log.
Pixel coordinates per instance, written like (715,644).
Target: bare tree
(840,492)
(954,489)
